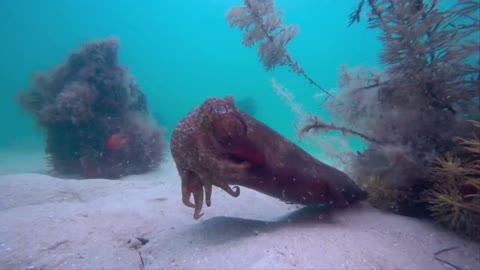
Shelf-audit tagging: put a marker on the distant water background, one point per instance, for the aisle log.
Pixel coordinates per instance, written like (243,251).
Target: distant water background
(181,52)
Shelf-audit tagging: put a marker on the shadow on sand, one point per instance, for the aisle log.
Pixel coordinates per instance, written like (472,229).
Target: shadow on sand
(218,230)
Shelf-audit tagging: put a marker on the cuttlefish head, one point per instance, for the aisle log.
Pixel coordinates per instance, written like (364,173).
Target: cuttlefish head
(221,120)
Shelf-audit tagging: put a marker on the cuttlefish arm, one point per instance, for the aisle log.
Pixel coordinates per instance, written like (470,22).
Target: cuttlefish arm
(199,185)
(218,162)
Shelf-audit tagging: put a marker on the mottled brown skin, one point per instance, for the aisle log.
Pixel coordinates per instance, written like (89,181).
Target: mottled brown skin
(218,144)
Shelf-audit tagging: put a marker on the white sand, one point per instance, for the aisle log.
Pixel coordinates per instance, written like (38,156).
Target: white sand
(47,222)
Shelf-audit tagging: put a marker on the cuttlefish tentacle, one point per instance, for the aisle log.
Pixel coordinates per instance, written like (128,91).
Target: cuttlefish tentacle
(198,199)
(208,194)
(235,192)
(187,188)
(186,199)
(186,194)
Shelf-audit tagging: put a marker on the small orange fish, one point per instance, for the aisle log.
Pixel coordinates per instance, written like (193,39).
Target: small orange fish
(116,142)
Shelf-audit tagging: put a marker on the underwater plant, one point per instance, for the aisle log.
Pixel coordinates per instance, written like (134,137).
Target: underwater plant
(412,112)
(417,108)
(398,200)
(454,198)
(95,115)
(423,98)
(263,25)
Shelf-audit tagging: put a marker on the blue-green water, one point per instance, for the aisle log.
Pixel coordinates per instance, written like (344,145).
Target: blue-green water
(180,52)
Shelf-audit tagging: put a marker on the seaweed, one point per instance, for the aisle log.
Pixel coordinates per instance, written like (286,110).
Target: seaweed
(263,25)
(421,107)
(414,114)
(423,98)
(84,106)
(454,198)
(425,102)
(386,197)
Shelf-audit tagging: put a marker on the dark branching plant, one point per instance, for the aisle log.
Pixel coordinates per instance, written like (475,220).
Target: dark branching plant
(264,26)
(430,85)
(95,115)
(412,112)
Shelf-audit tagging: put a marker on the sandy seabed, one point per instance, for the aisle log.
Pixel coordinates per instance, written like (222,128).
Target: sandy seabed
(139,222)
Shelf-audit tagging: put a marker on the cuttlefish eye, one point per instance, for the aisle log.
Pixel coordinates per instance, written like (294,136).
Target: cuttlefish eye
(219,110)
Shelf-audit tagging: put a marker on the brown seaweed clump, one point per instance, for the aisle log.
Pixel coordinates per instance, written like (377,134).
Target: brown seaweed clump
(384,195)
(95,116)
(454,198)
